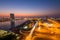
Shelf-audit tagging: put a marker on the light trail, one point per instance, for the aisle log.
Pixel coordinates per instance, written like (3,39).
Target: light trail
(55,23)
(29,37)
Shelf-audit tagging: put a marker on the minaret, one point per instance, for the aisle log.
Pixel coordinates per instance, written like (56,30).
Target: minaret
(12,20)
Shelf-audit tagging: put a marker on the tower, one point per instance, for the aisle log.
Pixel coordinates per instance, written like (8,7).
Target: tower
(12,20)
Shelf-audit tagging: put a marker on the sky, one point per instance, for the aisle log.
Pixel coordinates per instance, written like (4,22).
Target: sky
(29,7)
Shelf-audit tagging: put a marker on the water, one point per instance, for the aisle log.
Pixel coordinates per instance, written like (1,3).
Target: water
(6,25)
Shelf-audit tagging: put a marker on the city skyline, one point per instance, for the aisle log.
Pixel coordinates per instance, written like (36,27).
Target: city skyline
(29,7)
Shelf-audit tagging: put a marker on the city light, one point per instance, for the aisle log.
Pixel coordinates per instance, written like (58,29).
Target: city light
(25,27)
(29,20)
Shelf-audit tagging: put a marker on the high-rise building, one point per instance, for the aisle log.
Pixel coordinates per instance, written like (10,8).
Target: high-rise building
(12,20)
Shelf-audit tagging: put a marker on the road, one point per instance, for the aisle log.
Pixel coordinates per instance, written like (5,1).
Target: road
(43,33)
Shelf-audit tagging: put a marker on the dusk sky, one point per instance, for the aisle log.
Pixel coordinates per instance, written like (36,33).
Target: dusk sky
(29,7)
